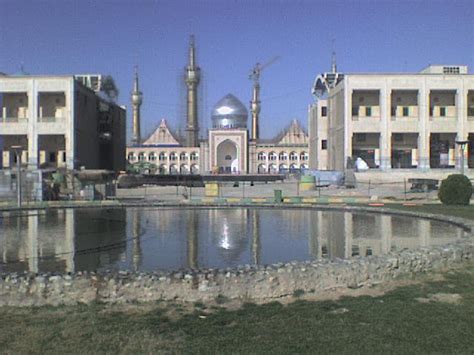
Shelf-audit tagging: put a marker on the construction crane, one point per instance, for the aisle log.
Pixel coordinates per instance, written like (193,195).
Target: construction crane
(257,69)
(255,102)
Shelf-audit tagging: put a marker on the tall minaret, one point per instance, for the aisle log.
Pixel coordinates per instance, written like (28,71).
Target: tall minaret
(192,80)
(255,108)
(137,99)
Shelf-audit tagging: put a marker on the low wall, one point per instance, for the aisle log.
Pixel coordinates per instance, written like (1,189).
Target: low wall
(246,282)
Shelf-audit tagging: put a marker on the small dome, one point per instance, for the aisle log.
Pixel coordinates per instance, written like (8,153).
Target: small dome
(229,112)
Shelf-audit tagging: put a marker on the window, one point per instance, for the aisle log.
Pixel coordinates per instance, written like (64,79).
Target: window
(173,156)
(183,156)
(470,111)
(394,111)
(162,156)
(368,111)
(324,111)
(261,156)
(152,157)
(52,157)
(283,156)
(141,157)
(406,111)
(442,111)
(398,137)
(324,144)
(355,111)
(228,157)
(293,156)
(360,137)
(272,156)
(194,156)
(450,70)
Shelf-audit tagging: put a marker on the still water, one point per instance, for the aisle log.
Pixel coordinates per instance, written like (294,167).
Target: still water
(148,239)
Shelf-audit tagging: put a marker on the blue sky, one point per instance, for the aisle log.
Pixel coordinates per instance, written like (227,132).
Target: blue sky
(111,36)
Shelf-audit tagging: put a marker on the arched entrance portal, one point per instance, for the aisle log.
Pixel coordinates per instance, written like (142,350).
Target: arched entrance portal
(227,157)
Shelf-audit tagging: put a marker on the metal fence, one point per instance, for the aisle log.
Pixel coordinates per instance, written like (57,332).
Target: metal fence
(36,188)
(395,191)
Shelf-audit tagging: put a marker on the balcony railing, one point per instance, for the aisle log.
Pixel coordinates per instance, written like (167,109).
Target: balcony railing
(362,112)
(404,111)
(59,115)
(14,115)
(443,111)
(13,119)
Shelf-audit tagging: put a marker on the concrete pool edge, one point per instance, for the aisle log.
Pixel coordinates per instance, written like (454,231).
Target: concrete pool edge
(245,282)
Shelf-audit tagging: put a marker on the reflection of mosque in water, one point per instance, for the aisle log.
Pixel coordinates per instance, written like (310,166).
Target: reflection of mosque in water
(168,239)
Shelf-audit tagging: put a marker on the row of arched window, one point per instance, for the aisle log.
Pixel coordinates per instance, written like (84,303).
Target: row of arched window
(162,156)
(303,156)
(282,168)
(175,169)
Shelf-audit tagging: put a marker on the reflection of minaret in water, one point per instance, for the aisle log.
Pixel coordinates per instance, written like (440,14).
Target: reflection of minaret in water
(136,246)
(255,237)
(192,230)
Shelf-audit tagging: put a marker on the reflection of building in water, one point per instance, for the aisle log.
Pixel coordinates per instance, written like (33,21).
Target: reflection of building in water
(229,228)
(74,240)
(62,240)
(100,237)
(342,235)
(161,220)
(30,242)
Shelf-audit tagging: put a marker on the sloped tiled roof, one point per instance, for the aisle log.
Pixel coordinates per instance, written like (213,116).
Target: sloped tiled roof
(293,134)
(162,136)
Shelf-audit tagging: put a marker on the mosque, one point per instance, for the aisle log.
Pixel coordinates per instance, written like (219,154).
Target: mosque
(230,147)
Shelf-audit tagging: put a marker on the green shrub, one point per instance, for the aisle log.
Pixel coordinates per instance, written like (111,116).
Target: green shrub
(456,189)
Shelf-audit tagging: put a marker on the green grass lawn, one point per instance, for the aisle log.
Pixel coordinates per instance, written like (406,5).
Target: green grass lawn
(435,315)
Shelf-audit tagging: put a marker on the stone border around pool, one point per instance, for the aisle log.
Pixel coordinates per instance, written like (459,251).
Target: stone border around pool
(246,282)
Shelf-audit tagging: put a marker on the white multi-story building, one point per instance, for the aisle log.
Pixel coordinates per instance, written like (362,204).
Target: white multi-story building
(59,122)
(394,121)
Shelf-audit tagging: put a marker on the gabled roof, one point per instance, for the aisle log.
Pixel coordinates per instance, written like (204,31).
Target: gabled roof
(162,136)
(291,135)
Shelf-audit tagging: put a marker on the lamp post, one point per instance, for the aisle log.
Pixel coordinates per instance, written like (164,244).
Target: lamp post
(462,144)
(18,149)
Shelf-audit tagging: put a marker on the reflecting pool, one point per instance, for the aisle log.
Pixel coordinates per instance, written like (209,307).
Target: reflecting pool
(148,239)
